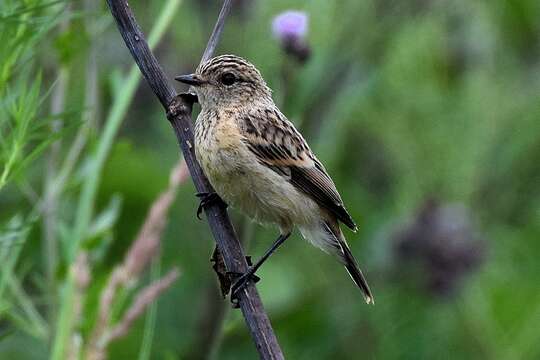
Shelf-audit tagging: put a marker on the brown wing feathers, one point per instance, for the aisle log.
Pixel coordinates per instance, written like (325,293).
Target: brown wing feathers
(320,187)
(279,146)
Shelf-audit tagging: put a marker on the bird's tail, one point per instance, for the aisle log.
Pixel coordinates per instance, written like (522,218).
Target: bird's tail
(329,238)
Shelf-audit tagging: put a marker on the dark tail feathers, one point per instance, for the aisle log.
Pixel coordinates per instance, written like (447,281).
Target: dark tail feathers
(350,263)
(355,273)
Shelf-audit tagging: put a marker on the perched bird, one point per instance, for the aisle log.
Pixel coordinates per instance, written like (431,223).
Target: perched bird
(257,161)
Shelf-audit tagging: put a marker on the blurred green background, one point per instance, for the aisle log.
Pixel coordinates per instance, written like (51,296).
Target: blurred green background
(426,113)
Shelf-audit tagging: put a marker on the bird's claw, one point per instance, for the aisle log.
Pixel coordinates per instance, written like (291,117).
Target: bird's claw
(242,279)
(208,198)
(181,103)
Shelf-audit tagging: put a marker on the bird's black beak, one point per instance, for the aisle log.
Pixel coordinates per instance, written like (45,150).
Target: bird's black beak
(191,79)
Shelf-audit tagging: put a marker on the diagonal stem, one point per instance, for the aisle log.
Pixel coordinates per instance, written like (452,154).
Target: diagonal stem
(179,114)
(216,33)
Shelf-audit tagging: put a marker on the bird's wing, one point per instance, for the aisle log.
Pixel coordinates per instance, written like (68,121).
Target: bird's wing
(278,145)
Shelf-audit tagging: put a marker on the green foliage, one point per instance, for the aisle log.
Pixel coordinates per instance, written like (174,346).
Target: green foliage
(15,304)
(403,102)
(22,136)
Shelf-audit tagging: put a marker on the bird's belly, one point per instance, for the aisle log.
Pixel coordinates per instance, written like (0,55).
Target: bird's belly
(255,189)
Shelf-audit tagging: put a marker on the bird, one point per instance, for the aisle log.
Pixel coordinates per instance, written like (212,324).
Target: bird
(257,161)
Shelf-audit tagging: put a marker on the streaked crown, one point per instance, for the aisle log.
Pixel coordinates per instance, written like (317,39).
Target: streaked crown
(229,80)
(233,63)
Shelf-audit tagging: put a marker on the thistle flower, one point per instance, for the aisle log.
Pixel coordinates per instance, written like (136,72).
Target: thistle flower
(290,24)
(290,29)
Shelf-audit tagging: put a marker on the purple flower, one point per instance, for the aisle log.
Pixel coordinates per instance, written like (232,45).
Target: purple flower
(290,28)
(290,24)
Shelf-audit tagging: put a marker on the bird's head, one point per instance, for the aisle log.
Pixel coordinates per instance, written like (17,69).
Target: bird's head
(226,81)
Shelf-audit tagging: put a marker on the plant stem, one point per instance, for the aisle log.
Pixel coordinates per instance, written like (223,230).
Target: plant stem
(86,201)
(179,108)
(14,155)
(112,124)
(50,197)
(151,315)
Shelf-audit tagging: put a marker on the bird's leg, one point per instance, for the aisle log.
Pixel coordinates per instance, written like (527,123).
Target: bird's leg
(236,275)
(242,281)
(208,198)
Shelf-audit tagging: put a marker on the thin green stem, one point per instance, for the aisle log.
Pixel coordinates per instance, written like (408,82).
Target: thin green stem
(86,201)
(51,197)
(151,315)
(112,124)
(39,324)
(14,155)
(10,283)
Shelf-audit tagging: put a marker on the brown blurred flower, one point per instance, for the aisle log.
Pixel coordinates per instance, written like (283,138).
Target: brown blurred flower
(443,244)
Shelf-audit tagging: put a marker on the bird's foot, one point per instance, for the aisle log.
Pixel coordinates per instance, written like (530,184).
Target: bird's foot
(208,198)
(181,104)
(240,282)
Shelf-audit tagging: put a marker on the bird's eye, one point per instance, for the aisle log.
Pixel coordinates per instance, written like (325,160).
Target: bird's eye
(228,79)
